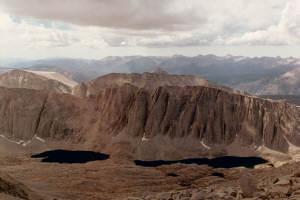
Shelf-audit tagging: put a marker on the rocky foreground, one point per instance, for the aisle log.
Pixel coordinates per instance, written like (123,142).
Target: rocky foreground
(116,179)
(281,183)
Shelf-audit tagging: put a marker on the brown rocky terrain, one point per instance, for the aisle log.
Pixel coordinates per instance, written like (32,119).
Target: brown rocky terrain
(146,80)
(163,123)
(12,189)
(108,179)
(293,99)
(149,123)
(30,80)
(25,113)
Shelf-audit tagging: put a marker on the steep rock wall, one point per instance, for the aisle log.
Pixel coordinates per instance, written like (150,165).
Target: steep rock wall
(211,115)
(162,123)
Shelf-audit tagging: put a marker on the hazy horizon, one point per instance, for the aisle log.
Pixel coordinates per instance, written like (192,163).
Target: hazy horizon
(20,59)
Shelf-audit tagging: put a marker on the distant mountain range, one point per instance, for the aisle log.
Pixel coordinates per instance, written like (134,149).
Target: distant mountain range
(259,75)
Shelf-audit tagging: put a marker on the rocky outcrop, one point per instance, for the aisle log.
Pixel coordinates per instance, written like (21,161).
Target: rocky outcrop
(10,188)
(25,113)
(146,80)
(30,80)
(210,116)
(167,122)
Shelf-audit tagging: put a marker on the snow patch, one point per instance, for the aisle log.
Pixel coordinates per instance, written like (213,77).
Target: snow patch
(238,59)
(204,145)
(294,151)
(275,157)
(55,76)
(26,143)
(144,139)
(62,89)
(22,142)
(20,80)
(16,142)
(40,139)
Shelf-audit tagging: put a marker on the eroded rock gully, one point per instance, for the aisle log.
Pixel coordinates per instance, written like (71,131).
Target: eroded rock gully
(163,123)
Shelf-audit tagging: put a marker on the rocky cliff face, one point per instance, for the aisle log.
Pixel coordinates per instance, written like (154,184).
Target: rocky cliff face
(212,114)
(163,123)
(146,80)
(204,117)
(29,80)
(25,113)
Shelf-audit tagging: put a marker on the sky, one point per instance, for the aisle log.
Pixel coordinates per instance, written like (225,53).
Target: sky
(34,29)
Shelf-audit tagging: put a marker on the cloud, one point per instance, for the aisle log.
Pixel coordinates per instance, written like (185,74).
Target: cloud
(125,14)
(169,15)
(285,32)
(73,25)
(26,34)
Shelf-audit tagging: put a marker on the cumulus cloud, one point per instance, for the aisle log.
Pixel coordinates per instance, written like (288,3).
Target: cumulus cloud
(25,34)
(97,24)
(285,32)
(150,14)
(127,14)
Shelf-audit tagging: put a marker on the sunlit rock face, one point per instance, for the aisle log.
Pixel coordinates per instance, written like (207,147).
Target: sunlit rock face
(205,118)
(46,81)
(167,122)
(147,80)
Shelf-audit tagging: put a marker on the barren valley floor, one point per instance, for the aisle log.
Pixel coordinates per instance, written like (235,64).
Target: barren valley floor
(121,179)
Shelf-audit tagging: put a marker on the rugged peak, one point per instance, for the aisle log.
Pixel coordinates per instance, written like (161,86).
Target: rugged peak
(17,71)
(49,81)
(55,76)
(146,80)
(159,71)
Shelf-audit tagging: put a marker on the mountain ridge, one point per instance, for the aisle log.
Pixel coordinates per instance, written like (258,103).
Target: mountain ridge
(145,80)
(153,116)
(244,73)
(34,80)
(167,122)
